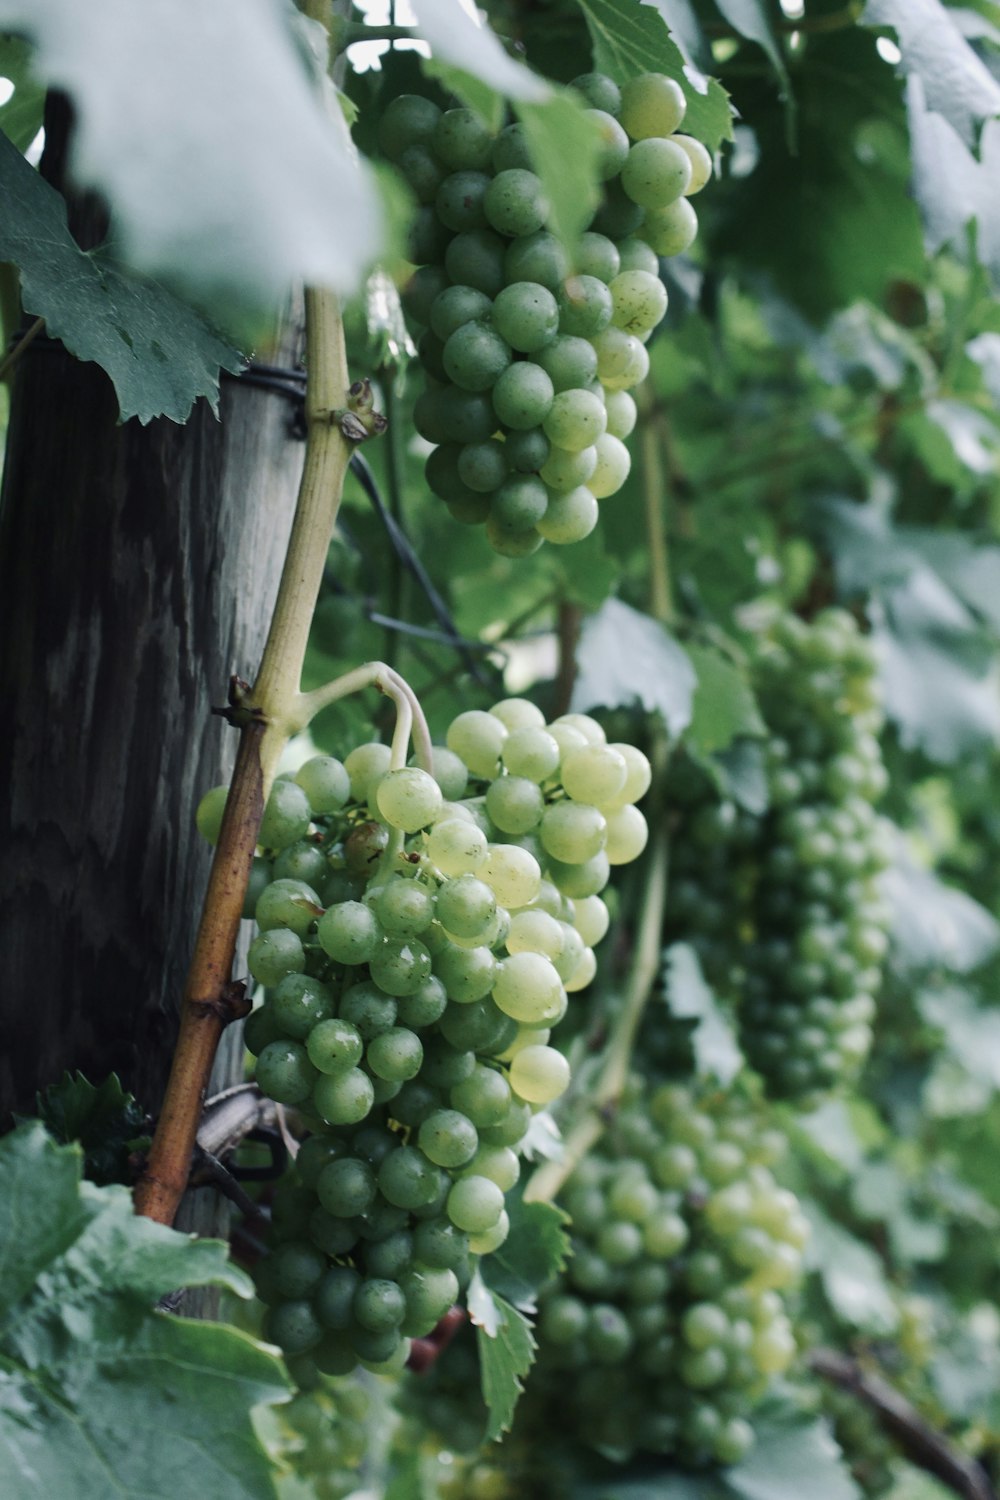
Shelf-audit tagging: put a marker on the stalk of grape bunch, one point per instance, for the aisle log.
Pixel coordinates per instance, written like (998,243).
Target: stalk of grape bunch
(530,347)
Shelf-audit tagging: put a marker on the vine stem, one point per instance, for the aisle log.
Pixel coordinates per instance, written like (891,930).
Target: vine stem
(12,356)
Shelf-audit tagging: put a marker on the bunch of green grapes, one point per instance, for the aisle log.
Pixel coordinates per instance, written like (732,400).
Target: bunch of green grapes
(530,351)
(670,1321)
(418,938)
(870,1454)
(813,965)
(324,1437)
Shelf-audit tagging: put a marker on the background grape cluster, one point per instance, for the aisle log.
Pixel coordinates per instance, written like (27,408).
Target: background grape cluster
(530,350)
(418,938)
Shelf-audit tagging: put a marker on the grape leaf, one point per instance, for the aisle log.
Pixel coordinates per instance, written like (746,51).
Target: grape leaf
(564,148)
(852,1275)
(505,1357)
(236,181)
(957,83)
(534,1250)
(630,38)
(752,19)
(689,997)
(160,354)
(934,924)
(456,39)
(625,657)
(85,1358)
(951,187)
(777,1466)
(106,1121)
(724,706)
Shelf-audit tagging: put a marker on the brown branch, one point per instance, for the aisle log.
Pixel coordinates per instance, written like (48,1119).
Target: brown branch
(568,621)
(925,1447)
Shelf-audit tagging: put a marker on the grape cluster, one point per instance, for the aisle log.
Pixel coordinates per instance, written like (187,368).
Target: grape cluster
(323,1437)
(813,967)
(418,937)
(670,1321)
(530,351)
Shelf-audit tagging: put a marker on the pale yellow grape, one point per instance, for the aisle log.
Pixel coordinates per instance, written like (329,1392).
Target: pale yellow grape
(573,832)
(592,919)
(622,413)
(458,810)
(656,172)
(576,418)
(622,360)
(478,738)
(531,752)
(499,1163)
(513,874)
(408,799)
(539,1075)
(518,713)
(456,847)
(671,230)
(640,303)
(527,1036)
(583,973)
(563,471)
(491,1239)
(366,765)
(585,725)
(528,988)
(613,465)
(637,781)
(571,516)
(627,835)
(595,773)
(534,931)
(652,105)
(566,737)
(701,163)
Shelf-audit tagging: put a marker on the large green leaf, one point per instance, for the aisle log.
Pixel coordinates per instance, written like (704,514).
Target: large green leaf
(951,186)
(627,657)
(753,19)
(724,705)
(957,83)
(201,126)
(506,1353)
(160,354)
(852,1275)
(100,1394)
(632,38)
(789,1462)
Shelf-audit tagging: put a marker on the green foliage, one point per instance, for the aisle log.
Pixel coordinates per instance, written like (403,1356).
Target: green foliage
(106,1121)
(626,657)
(159,353)
(506,1354)
(86,1358)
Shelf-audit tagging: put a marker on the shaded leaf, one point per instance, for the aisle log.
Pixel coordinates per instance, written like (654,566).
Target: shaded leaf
(84,1358)
(689,997)
(789,1461)
(159,353)
(221,195)
(506,1354)
(970,1031)
(106,1121)
(626,657)
(752,19)
(21,116)
(455,38)
(933,924)
(564,145)
(724,706)
(951,187)
(533,1252)
(852,1275)
(957,84)
(632,38)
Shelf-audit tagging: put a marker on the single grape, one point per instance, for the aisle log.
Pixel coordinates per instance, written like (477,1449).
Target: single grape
(406,119)
(614,462)
(528,988)
(627,835)
(515,804)
(208,816)
(585,306)
(395,1055)
(346,1187)
(538,257)
(640,302)
(613,144)
(400,966)
(573,832)
(622,361)
(475,355)
(622,413)
(334,1045)
(475,1204)
(539,1074)
(598,256)
(656,173)
(515,202)
(522,396)
(343,1098)
(526,314)
(671,230)
(592,919)
(422,171)
(478,738)
(513,874)
(569,362)
(299,1003)
(475,258)
(365,766)
(701,162)
(274,954)
(457,305)
(466,973)
(288,903)
(349,933)
(448,1138)
(284,1072)
(576,419)
(483,466)
(510,542)
(527,450)
(563,471)
(652,105)
(519,503)
(617,216)
(458,202)
(461,141)
(510,149)
(303,861)
(286,816)
(636,255)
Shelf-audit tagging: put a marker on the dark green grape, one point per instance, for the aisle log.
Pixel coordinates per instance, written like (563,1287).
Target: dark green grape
(406,120)
(475,355)
(462,142)
(515,202)
(460,197)
(456,305)
(537,257)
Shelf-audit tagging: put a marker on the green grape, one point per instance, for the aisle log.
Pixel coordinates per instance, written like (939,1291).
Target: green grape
(400,966)
(426,243)
(576,420)
(466,416)
(462,142)
(651,105)
(531,753)
(443,478)
(622,414)
(456,847)
(302,861)
(274,954)
(592,919)
(519,503)
(622,360)
(405,120)
(539,1074)
(297,1268)
(477,1026)
(476,258)
(261,874)
(429,1294)
(478,738)
(408,1179)
(527,450)
(391,1256)
(627,835)
(598,256)
(395,1055)
(284,1072)
(368,1008)
(459,199)
(475,355)
(365,766)
(573,832)
(466,973)
(349,933)
(483,466)
(408,799)
(334,1045)
(422,171)
(656,173)
(261,1027)
(701,162)
(511,542)
(208,816)
(613,144)
(514,804)
(293,1326)
(538,257)
(485,1097)
(522,397)
(618,217)
(287,903)
(585,307)
(583,724)
(439,1245)
(640,302)
(569,362)
(512,873)
(363,846)
(286,816)
(465,906)
(299,1003)
(614,463)
(510,149)
(528,988)
(379,1305)
(422,291)
(343,1098)
(403,907)
(346,1187)
(448,1138)
(456,305)
(515,202)
(335,1296)
(526,315)
(518,713)
(577,880)
(475,1204)
(564,472)
(636,255)
(594,773)
(671,230)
